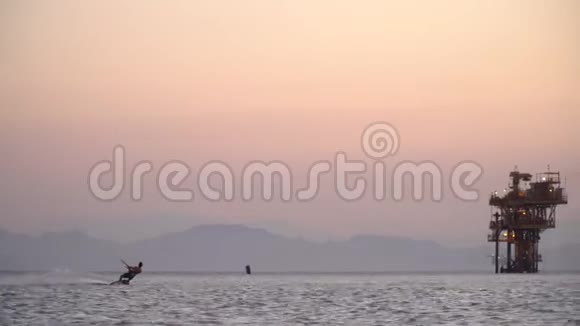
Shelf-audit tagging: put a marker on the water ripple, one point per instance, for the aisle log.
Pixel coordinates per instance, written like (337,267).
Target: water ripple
(270,299)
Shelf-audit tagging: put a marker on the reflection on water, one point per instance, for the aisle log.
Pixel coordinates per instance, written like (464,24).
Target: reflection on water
(290,299)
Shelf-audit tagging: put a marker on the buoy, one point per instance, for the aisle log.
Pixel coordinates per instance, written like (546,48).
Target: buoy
(248,270)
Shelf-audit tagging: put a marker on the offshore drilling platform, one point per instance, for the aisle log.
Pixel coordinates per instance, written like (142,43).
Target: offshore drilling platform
(520,214)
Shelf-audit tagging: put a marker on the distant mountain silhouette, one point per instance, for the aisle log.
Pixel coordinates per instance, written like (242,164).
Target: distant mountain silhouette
(231,247)
(73,250)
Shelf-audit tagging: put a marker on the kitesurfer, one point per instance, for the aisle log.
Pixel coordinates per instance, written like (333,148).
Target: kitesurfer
(131,273)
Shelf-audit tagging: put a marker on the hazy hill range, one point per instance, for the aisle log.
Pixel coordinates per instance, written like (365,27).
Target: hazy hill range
(231,247)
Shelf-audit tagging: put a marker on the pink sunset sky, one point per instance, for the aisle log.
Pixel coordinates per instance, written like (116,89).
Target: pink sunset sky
(495,82)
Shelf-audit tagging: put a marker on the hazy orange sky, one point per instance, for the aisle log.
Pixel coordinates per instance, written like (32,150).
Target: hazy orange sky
(497,82)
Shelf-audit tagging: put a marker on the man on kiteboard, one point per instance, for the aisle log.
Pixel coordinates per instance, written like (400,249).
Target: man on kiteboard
(132,272)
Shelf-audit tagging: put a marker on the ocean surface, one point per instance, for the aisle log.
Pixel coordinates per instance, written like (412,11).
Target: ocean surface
(65,298)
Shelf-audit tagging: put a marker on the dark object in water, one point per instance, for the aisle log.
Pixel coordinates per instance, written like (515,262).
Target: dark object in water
(248,270)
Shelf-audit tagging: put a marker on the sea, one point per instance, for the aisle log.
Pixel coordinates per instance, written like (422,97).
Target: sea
(68,298)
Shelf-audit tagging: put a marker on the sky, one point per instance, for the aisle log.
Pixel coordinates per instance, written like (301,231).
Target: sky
(493,82)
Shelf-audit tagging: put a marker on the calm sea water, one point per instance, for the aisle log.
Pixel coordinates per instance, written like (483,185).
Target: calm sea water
(63,298)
